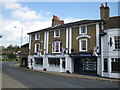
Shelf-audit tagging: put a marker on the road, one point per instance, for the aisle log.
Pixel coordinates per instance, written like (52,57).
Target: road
(33,79)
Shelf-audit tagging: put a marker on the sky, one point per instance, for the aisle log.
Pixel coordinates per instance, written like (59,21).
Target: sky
(32,16)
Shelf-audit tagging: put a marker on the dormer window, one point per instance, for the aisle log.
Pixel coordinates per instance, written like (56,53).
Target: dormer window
(56,33)
(83,29)
(37,36)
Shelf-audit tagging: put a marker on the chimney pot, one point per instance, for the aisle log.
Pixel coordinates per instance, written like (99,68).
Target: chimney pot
(55,17)
(58,19)
(106,4)
(102,5)
(62,21)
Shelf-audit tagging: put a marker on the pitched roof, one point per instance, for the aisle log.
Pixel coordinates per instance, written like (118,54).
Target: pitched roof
(112,22)
(67,25)
(25,45)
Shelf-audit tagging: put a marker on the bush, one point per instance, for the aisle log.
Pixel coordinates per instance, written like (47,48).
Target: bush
(11,55)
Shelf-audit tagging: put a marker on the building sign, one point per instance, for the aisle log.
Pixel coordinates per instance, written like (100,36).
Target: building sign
(82,55)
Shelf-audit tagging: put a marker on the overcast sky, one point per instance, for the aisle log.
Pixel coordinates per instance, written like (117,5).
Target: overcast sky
(32,16)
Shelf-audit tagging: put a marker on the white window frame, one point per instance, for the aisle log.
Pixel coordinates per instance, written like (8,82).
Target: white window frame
(55,34)
(36,36)
(80,46)
(85,29)
(36,46)
(55,45)
(114,43)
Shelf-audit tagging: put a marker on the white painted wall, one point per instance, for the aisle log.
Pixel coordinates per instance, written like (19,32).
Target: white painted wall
(109,52)
(30,57)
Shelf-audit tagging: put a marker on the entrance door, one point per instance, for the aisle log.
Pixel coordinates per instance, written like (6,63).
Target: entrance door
(24,62)
(77,65)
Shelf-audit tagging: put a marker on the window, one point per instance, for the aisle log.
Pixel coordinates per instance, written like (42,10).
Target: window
(115,65)
(83,29)
(105,64)
(89,65)
(57,47)
(54,62)
(37,36)
(39,61)
(83,44)
(57,34)
(37,47)
(117,42)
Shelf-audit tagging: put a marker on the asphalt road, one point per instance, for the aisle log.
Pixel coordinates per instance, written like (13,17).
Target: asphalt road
(33,79)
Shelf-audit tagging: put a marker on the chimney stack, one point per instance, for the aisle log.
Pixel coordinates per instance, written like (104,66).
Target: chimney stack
(104,11)
(56,21)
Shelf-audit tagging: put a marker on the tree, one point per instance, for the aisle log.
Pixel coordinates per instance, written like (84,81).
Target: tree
(10,51)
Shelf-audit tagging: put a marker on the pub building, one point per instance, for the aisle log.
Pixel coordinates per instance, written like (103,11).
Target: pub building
(71,48)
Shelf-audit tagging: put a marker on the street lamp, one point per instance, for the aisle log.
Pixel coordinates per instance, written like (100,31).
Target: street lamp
(21,33)
(0,36)
(0,48)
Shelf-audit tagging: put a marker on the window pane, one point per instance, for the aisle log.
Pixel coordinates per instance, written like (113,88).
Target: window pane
(57,33)
(116,64)
(56,46)
(83,29)
(105,64)
(83,44)
(39,61)
(117,42)
(37,36)
(37,47)
(54,61)
(53,47)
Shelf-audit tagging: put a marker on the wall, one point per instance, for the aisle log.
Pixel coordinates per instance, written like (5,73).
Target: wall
(52,39)
(91,31)
(109,52)
(33,41)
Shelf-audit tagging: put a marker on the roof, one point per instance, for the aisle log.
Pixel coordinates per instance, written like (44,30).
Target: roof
(25,45)
(112,22)
(67,25)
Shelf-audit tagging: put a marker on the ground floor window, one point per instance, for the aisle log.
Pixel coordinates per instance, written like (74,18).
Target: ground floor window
(39,61)
(105,64)
(115,65)
(89,65)
(85,65)
(54,62)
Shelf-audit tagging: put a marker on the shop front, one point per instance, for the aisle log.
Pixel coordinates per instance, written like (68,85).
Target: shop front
(84,63)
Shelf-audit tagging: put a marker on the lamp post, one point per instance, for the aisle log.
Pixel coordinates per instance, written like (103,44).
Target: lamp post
(21,33)
(1,48)
(0,36)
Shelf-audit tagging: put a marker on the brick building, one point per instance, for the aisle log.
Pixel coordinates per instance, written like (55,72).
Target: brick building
(24,52)
(72,48)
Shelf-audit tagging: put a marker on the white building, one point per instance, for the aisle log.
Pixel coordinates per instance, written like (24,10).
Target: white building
(110,48)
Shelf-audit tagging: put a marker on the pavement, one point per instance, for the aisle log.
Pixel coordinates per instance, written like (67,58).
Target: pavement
(8,82)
